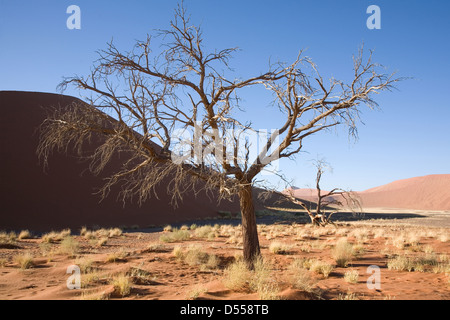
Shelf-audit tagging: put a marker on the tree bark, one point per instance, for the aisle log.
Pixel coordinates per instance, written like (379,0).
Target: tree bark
(249,227)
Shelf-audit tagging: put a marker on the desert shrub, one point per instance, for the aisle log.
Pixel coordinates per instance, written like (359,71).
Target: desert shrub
(301,277)
(421,264)
(54,236)
(8,237)
(348,296)
(85,265)
(236,276)
(24,234)
(178,253)
(69,246)
(400,263)
(117,256)
(204,232)
(140,276)
(351,276)
(102,241)
(277,247)
(175,236)
(342,253)
(168,228)
(196,292)
(157,247)
(115,232)
(24,260)
(321,267)
(122,285)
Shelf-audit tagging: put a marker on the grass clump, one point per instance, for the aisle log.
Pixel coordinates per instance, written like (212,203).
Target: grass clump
(351,276)
(301,278)
(24,234)
(54,236)
(117,256)
(24,260)
(194,293)
(342,253)
(85,265)
(175,236)
(420,264)
(205,232)
(277,247)
(195,256)
(8,238)
(321,267)
(238,277)
(348,296)
(122,285)
(69,246)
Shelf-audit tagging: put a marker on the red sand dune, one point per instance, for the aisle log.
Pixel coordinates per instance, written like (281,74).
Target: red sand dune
(422,193)
(63,196)
(426,193)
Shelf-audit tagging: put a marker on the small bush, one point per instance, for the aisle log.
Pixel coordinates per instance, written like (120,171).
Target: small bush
(25,260)
(351,276)
(193,226)
(322,268)
(8,238)
(277,247)
(302,279)
(195,292)
(237,276)
(24,234)
(122,285)
(342,253)
(85,265)
(175,236)
(53,236)
(204,232)
(69,246)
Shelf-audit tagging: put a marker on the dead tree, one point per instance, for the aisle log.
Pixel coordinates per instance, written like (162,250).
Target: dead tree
(152,95)
(333,200)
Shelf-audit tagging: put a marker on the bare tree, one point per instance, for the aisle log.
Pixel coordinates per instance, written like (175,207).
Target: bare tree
(140,100)
(334,200)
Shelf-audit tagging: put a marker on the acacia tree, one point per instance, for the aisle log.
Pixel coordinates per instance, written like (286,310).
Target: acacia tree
(334,199)
(141,98)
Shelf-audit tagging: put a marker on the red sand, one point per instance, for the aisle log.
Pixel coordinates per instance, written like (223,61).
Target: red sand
(421,193)
(425,193)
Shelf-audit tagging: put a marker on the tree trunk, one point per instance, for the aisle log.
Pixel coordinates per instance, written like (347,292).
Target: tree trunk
(249,228)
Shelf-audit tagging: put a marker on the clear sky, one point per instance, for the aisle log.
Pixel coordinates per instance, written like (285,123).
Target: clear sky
(407,137)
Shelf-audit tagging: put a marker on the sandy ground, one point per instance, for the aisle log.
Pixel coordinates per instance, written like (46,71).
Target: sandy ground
(154,271)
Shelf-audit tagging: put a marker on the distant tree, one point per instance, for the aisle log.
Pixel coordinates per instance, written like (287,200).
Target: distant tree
(333,200)
(151,96)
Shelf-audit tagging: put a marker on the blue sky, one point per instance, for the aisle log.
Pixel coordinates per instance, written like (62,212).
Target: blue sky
(407,137)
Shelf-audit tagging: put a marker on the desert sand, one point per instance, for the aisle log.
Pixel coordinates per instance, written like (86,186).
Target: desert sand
(157,268)
(142,260)
(423,193)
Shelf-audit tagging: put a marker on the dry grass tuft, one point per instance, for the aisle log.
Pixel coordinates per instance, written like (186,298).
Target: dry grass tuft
(24,260)
(351,276)
(342,253)
(122,285)
(277,247)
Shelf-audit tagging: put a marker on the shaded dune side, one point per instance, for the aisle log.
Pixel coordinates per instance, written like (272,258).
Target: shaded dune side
(63,196)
